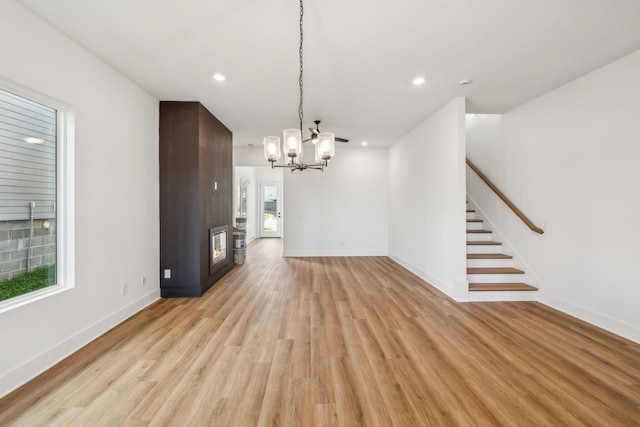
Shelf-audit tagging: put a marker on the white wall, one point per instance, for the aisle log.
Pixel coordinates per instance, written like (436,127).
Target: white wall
(249,156)
(569,161)
(341,211)
(427,200)
(116,227)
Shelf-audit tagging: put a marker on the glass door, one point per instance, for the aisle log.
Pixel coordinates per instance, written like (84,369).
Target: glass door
(270,215)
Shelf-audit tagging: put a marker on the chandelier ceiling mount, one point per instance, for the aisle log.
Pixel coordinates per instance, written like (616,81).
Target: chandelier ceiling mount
(292,138)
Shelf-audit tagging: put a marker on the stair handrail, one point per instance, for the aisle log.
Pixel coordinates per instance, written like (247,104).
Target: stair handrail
(505,199)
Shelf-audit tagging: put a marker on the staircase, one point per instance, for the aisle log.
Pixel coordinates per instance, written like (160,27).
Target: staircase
(490,272)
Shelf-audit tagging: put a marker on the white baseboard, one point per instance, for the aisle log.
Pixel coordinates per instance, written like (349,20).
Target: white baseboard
(615,326)
(39,364)
(503,296)
(330,253)
(431,280)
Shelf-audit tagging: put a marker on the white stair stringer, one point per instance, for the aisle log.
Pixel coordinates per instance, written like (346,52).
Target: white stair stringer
(500,262)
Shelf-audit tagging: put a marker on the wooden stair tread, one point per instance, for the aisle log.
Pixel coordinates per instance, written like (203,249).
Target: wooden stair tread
(482,242)
(478,231)
(489,256)
(494,270)
(501,287)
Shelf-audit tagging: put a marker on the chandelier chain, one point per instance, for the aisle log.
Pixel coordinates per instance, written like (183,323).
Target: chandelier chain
(300,80)
(271,144)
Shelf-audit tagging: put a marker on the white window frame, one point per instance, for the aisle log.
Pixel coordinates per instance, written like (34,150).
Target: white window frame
(65,196)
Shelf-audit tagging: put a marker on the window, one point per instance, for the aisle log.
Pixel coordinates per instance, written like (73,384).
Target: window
(243,191)
(36,201)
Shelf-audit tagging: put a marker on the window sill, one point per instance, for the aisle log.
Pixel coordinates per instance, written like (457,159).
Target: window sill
(25,299)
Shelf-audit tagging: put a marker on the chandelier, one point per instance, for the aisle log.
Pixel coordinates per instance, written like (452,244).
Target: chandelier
(292,138)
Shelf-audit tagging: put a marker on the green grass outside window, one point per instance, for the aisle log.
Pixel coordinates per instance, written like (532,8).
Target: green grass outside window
(37,278)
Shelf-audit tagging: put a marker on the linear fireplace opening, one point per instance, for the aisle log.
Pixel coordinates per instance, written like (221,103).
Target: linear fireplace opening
(218,246)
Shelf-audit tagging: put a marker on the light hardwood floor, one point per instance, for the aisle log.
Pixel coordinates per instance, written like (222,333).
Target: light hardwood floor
(337,341)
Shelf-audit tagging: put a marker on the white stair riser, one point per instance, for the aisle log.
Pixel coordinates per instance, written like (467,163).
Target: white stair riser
(479,237)
(495,278)
(483,249)
(488,263)
(503,296)
(493,263)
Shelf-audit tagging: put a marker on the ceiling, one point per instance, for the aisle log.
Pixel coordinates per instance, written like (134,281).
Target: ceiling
(360,56)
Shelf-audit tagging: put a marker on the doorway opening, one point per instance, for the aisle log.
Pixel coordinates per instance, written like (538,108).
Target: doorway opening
(271,209)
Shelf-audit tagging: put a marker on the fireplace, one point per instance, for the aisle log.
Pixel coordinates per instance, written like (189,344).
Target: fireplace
(217,246)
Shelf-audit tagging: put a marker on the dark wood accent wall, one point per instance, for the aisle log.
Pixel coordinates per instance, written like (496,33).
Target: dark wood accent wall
(195,154)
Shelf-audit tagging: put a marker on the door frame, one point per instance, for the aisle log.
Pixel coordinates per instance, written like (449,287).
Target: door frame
(278,186)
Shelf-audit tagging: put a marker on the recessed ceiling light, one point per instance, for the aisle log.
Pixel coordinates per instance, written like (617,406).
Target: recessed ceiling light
(465,82)
(365,143)
(219,77)
(32,140)
(418,81)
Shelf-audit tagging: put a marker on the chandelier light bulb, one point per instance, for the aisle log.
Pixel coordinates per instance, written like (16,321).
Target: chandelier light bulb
(271,148)
(292,142)
(325,148)
(292,138)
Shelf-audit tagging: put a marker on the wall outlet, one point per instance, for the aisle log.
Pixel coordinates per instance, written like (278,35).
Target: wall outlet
(167,273)
(143,281)
(125,289)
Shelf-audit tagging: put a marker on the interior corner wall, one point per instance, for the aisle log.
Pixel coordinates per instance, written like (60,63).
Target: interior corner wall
(569,161)
(427,226)
(116,211)
(341,211)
